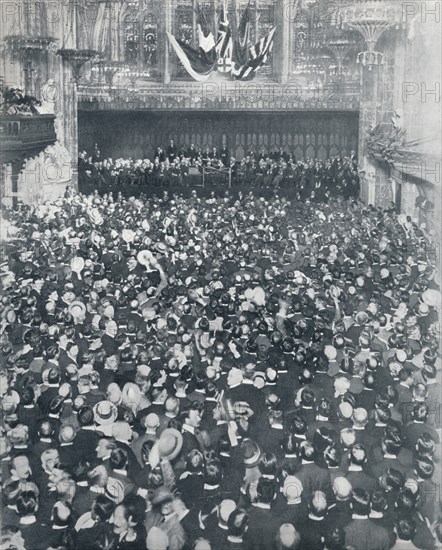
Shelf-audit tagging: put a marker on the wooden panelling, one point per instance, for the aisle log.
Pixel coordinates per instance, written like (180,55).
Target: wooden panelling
(307,134)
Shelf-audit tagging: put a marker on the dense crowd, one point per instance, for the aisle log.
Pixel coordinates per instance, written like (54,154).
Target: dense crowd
(172,167)
(218,373)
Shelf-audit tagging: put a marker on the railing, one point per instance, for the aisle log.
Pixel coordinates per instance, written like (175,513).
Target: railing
(336,94)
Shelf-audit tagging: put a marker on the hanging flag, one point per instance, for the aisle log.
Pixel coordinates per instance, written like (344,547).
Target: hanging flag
(242,42)
(206,40)
(197,62)
(257,56)
(224,43)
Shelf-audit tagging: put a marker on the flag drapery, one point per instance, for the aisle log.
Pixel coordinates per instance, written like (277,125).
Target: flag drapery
(206,41)
(224,43)
(237,58)
(197,62)
(242,41)
(257,56)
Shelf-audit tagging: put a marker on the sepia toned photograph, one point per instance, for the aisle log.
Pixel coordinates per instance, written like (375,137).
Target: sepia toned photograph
(220,274)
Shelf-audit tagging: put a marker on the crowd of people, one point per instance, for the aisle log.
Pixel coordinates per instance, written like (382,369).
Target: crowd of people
(173,167)
(223,373)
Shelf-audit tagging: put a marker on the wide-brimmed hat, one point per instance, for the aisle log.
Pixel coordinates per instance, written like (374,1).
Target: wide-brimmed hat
(144,257)
(127,235)
(77,264)
(77,308)
(160,247)
(105,413)
(95,217)
(431,297)
(170,443)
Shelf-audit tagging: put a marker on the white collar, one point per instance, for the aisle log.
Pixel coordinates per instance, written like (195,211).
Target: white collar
(357,516)
(235,540)
(59,527)
(391,457)
(314,518)
(277,426)
(121,472)
(28,520)
(262,505)
(376,515)
(188,428)
(354,468)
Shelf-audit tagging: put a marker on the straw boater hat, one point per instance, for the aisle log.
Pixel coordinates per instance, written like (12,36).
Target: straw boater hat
(170,443)
(144,257)
(77,308)
(161,248)
(105,413)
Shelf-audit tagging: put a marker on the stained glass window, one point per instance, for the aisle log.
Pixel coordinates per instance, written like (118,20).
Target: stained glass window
(141,40)
(150,41)
(131,40)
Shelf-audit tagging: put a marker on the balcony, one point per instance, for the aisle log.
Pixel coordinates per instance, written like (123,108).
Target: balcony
(338,94)
(25,136)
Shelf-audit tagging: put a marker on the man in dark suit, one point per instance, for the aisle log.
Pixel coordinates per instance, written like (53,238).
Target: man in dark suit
(171,151)
(225,156)
(418,426)
(34,533)
(50,392)
(87,437)
(356,474)
(191,418)
(362,533)
(160,155)
(263,521)
(315,526)
(313,478)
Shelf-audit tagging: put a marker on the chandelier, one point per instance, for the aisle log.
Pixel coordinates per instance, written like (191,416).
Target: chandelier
(371,19)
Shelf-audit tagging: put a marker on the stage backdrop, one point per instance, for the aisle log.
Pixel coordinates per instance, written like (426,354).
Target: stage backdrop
(310,134)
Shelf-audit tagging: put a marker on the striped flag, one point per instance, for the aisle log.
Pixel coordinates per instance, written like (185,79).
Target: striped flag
(224,43)
(258,55)
(198,63)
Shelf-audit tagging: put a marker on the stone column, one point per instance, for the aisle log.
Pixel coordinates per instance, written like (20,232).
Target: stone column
(376,106)
(167,9)
(285,13)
